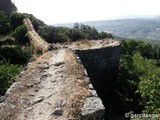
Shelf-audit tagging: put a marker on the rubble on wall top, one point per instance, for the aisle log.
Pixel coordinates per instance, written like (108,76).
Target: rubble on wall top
(93,44)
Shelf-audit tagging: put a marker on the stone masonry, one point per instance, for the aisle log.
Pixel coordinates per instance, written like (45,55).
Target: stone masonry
(67,83)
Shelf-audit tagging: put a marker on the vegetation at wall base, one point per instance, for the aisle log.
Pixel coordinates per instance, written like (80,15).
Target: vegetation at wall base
(16,20)
(20,33)
(15,54)
(7,75)
(15,49)
(139,77)
(64,34)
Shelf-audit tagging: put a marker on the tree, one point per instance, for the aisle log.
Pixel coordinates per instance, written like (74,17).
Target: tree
(16,20)
(139,77)
(61,34)
(149,86)
(76,34)
(103,35)
(48,33)
(4,23)
(76,26)
(36,22)
(7,6)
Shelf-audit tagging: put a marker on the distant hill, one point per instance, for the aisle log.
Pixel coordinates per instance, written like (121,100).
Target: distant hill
(138,28)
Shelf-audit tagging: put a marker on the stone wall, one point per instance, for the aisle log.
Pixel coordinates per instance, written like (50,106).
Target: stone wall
(40,45)
(57,86)
(99,61)
(102,68)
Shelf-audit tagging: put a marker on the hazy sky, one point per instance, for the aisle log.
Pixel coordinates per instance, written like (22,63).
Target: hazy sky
(65,11)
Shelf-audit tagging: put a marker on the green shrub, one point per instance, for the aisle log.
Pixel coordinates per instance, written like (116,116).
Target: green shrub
(54,34)
(20,34)
(7,75)
(103,35)
(15,54)
(90,33)
(61,34)
(149,86)
(48,33)
(139,77)
(16,20)
(4,23)
(36,22)
(76,34)
(81,31)
(61,37)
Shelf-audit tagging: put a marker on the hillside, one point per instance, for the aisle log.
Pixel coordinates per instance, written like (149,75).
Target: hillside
(143,29)
(53,85)
(138,28)
(61,73)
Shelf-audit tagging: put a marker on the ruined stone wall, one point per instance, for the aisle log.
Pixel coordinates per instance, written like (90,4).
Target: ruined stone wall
(40,45)
(100,61)
(57,86)
(102,68)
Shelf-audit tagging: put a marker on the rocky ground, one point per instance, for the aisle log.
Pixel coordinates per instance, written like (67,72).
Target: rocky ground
(55,87)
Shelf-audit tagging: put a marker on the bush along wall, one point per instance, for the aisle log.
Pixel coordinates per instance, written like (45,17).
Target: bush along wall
(7,75)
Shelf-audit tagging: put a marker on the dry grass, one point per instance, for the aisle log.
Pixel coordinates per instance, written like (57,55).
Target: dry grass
(93,44)
(83,44)
(76,96)
(73,67)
